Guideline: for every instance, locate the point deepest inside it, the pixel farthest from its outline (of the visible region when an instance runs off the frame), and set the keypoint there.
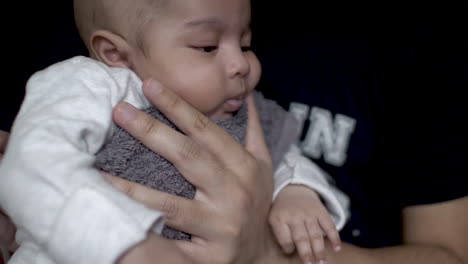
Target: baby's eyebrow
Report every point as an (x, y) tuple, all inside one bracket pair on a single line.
[(210, 23)]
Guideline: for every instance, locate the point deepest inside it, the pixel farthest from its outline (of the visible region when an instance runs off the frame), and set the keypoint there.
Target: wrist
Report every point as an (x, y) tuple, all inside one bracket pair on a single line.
[(292, 191), (271, 252), (153, 248)]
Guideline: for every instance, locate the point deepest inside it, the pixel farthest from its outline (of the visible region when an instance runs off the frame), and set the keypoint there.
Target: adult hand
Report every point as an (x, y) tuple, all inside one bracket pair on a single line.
[(7, 229), (228, 217)]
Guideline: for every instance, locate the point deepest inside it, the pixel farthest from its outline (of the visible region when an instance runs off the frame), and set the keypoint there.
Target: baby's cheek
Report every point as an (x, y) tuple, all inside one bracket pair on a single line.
[(202, 87), (255, 73), (205, 98)]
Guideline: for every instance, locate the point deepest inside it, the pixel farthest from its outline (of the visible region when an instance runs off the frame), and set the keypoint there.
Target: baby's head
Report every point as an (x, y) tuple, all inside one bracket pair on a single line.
[(198, 48)]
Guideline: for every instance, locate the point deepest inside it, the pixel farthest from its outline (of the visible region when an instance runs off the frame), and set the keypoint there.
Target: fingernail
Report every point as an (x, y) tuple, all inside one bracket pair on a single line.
[(337, 248), (322, 262), (125, 112), (153, 86)]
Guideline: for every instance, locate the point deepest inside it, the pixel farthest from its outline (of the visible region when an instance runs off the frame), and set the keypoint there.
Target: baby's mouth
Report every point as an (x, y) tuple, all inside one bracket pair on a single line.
[(233, 105)]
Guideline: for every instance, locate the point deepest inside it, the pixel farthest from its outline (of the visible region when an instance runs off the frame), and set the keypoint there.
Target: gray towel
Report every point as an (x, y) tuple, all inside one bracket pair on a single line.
[(126, 157)]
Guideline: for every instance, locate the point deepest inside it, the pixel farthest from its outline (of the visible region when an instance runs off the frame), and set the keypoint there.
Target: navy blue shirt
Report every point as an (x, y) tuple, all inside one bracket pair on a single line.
[(381, 100)]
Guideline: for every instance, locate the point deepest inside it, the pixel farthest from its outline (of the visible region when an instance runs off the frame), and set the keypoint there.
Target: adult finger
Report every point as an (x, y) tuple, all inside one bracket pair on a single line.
[(187, 215), (193, 123), (182, 151), (178, 211), (255, 141)]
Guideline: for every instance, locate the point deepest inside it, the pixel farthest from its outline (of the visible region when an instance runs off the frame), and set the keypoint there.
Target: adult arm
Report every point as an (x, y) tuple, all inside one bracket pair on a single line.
[(436, 233)]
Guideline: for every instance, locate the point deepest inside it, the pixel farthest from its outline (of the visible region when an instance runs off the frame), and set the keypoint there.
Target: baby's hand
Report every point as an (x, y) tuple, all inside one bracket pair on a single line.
[(300, 220)]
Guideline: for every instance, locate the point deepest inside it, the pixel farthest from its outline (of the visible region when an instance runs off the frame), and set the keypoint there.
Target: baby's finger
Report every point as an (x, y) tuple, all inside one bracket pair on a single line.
[(330, 230), (316, 236), (283, 235), (302, 241)]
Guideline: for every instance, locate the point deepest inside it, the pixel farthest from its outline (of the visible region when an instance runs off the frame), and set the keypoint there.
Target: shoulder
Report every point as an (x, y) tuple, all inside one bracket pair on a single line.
[(81, 72), (79, 67)]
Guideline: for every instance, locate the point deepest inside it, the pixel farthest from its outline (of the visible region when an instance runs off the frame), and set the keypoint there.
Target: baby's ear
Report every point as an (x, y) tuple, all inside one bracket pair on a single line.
[(110, 48)]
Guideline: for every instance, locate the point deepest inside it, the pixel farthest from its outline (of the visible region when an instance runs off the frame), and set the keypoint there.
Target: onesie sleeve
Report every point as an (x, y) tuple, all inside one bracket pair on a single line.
[(298, 169), (49, 185)]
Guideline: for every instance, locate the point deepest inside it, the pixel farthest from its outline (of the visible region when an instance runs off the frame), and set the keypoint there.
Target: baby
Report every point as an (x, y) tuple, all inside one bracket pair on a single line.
[(201, 50)]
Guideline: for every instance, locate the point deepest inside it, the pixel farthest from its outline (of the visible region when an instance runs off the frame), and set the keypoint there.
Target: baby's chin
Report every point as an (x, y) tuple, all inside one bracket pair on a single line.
[(228, 109)]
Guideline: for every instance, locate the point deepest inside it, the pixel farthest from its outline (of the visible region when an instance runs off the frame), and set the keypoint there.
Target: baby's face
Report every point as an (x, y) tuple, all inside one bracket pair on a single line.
[(201, 50)]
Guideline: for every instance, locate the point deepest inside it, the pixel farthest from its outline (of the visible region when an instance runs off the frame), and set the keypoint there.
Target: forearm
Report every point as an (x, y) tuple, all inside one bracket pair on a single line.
[(154, 249), (404, 254)]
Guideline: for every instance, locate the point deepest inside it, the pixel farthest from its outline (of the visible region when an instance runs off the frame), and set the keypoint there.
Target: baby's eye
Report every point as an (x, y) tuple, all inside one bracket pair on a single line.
[(208, 49), (246, 48)]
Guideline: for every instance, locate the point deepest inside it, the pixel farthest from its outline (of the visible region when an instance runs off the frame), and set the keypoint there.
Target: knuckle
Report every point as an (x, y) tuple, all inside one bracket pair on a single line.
[(328, 226), (312, 225), (249, 162), (277, 218), (245, 200), (171, 208), (189, 149), (301, 238), (125, 188), (201, 122), (231, 230), (331, 232), (316, 235), (310, 222), (273, 219), (174, 101), (150, 127)]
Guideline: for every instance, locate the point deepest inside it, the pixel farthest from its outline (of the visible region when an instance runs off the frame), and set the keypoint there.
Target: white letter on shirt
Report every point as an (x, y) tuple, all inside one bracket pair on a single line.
[(325, 137)]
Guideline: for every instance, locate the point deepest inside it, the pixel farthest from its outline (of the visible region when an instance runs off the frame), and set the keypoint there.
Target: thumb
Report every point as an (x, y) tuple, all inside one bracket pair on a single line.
[(255, 141)]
